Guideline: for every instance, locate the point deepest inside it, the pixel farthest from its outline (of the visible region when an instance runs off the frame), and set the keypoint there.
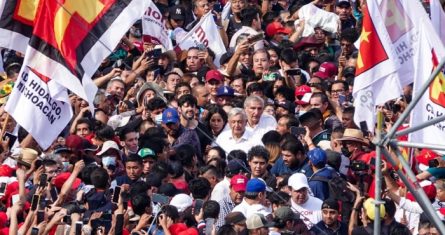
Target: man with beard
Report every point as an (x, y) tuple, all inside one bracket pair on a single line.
[(237, 189), (330, 223), (177, 134), (187, 109), (292, 160)]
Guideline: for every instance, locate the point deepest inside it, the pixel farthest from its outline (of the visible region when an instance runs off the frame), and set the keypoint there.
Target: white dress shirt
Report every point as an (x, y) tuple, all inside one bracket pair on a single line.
[(226, 141)]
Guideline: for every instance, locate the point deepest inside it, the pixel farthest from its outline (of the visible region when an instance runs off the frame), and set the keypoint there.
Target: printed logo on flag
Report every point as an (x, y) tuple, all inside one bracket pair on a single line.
[(370, 46), (437, 87), (396, 20), (74, 28), (18, 16)]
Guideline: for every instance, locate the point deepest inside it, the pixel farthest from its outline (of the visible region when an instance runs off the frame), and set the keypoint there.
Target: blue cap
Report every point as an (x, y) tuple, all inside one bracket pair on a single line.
[(255, 185), (225, 91), (317, 156), (170, 115)]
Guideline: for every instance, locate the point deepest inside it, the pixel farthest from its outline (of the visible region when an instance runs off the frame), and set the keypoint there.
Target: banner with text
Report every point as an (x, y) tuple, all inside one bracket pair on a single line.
[(153, 27)]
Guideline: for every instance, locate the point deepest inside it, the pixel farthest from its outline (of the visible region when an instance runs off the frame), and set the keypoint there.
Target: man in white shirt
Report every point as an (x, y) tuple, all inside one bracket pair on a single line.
[(307, 206), (254, 199), (257, 122), (238, 137), (251, 21)]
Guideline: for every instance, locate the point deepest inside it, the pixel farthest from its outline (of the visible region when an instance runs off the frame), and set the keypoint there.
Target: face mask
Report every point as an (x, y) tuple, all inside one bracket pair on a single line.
[(345, 152), (65, 165), (158, 119), (109, 161)]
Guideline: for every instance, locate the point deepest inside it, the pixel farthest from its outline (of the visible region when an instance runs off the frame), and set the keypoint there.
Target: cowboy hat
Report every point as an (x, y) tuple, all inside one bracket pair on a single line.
[(26, 156), (353, 135)]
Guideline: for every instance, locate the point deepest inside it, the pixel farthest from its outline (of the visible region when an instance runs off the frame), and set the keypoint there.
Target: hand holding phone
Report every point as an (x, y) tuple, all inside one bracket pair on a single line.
[(116, 194)]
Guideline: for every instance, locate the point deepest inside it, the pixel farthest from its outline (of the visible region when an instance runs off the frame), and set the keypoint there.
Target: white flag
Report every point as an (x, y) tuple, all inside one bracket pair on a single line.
[(153, 27), (438, 18), (205, 32), (376, 78), (43, 114), (432, 103), (16, 24), (225, 14)]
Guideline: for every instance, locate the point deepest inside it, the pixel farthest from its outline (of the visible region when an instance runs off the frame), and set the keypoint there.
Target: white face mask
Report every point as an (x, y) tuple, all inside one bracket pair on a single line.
[(109, 161), (158, 119)]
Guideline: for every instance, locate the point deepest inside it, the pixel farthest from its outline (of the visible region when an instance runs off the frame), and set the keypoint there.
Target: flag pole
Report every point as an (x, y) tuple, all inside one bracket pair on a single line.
[(418, 145), (378, 175), (420, 126), (5, 122), (413, 103)]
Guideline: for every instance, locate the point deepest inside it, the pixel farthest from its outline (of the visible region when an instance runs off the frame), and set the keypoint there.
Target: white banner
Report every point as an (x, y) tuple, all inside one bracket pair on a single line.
[(205, 32), (315, 17), (153, 27), (33, 105), (377, 80), (438, 18)]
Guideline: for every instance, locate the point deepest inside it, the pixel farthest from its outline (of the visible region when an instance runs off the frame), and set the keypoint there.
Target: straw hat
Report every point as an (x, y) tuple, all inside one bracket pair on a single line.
[(353, 135), (27, 156)]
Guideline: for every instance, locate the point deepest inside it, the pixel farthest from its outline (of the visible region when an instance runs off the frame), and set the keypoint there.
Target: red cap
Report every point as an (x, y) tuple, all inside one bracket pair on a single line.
[(214, 74), (424, 157), (326, 70), (239, 183), (182, 185), (300, 91), (139, 45), (276, 27), (62, 177)]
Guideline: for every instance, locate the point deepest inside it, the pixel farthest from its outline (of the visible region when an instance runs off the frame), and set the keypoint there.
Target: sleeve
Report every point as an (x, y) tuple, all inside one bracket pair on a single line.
[(410, 206)]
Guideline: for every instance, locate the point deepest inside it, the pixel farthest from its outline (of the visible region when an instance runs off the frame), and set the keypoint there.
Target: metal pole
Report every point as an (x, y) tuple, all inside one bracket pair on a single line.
[(413, 186), (421, 126), (418, 145), (413, 103), (378, 175)]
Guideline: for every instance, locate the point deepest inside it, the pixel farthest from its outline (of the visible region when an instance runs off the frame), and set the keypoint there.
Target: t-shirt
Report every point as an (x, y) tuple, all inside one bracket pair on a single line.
[(437, 172), (249, 210), (310, 211)]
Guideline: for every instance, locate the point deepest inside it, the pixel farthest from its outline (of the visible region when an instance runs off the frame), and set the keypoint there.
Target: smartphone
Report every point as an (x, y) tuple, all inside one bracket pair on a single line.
[(159, 198), (296, 131), (157, 53), (38, 163), (34, 231), (116, 193), (255, 38), (217, 7), (43, 180), (271, 76), (14, 199), (341, 99), (54, 193), (12, 139), (156, 73), (293, 72), (78, 228), (67, 219), (35, 202), (364, 128), (433, 163), (2, 189), (209, 225), (40, 216), (201, 47), (198, 205)]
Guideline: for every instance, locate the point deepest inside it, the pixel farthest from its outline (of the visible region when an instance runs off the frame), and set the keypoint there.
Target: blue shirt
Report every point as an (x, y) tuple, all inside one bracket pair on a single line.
[(279, 168), (320, 189)]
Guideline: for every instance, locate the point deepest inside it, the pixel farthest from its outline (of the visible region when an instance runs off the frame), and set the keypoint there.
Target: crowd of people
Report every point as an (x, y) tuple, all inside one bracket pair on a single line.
[(262, 143)]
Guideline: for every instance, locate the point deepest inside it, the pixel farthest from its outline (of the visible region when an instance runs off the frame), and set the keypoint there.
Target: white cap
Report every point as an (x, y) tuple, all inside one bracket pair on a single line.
[(298, 181), (181, 202), (118, 121), (109, 144)]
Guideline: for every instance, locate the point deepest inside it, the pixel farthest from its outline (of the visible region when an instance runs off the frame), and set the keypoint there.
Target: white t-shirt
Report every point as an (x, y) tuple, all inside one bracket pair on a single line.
[(310, 211), (221, 190), (249, 210)]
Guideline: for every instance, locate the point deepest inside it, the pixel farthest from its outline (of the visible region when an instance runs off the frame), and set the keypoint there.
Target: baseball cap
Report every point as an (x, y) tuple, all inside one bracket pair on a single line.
[(170, 115), (109, 144), (298, 181), (235, 166), (239, 183), (343, 3), (177, 13), (257, 221), (330, 204), (326, 70), (285, 213), (214, 74), (61, 149), (370, 209), (146, 152), (301, 93), (225, 91), (255, 185), (77, 143), (276, 27), (317, 156), (181, 202)]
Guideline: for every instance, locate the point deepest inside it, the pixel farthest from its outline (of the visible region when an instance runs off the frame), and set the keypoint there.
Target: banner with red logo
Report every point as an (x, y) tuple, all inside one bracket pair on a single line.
[(153, 27), (206, 33), (376, 70)]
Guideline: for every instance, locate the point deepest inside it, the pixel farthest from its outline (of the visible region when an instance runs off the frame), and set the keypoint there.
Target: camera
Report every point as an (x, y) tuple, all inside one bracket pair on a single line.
[(359, 166), (74, 207)]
